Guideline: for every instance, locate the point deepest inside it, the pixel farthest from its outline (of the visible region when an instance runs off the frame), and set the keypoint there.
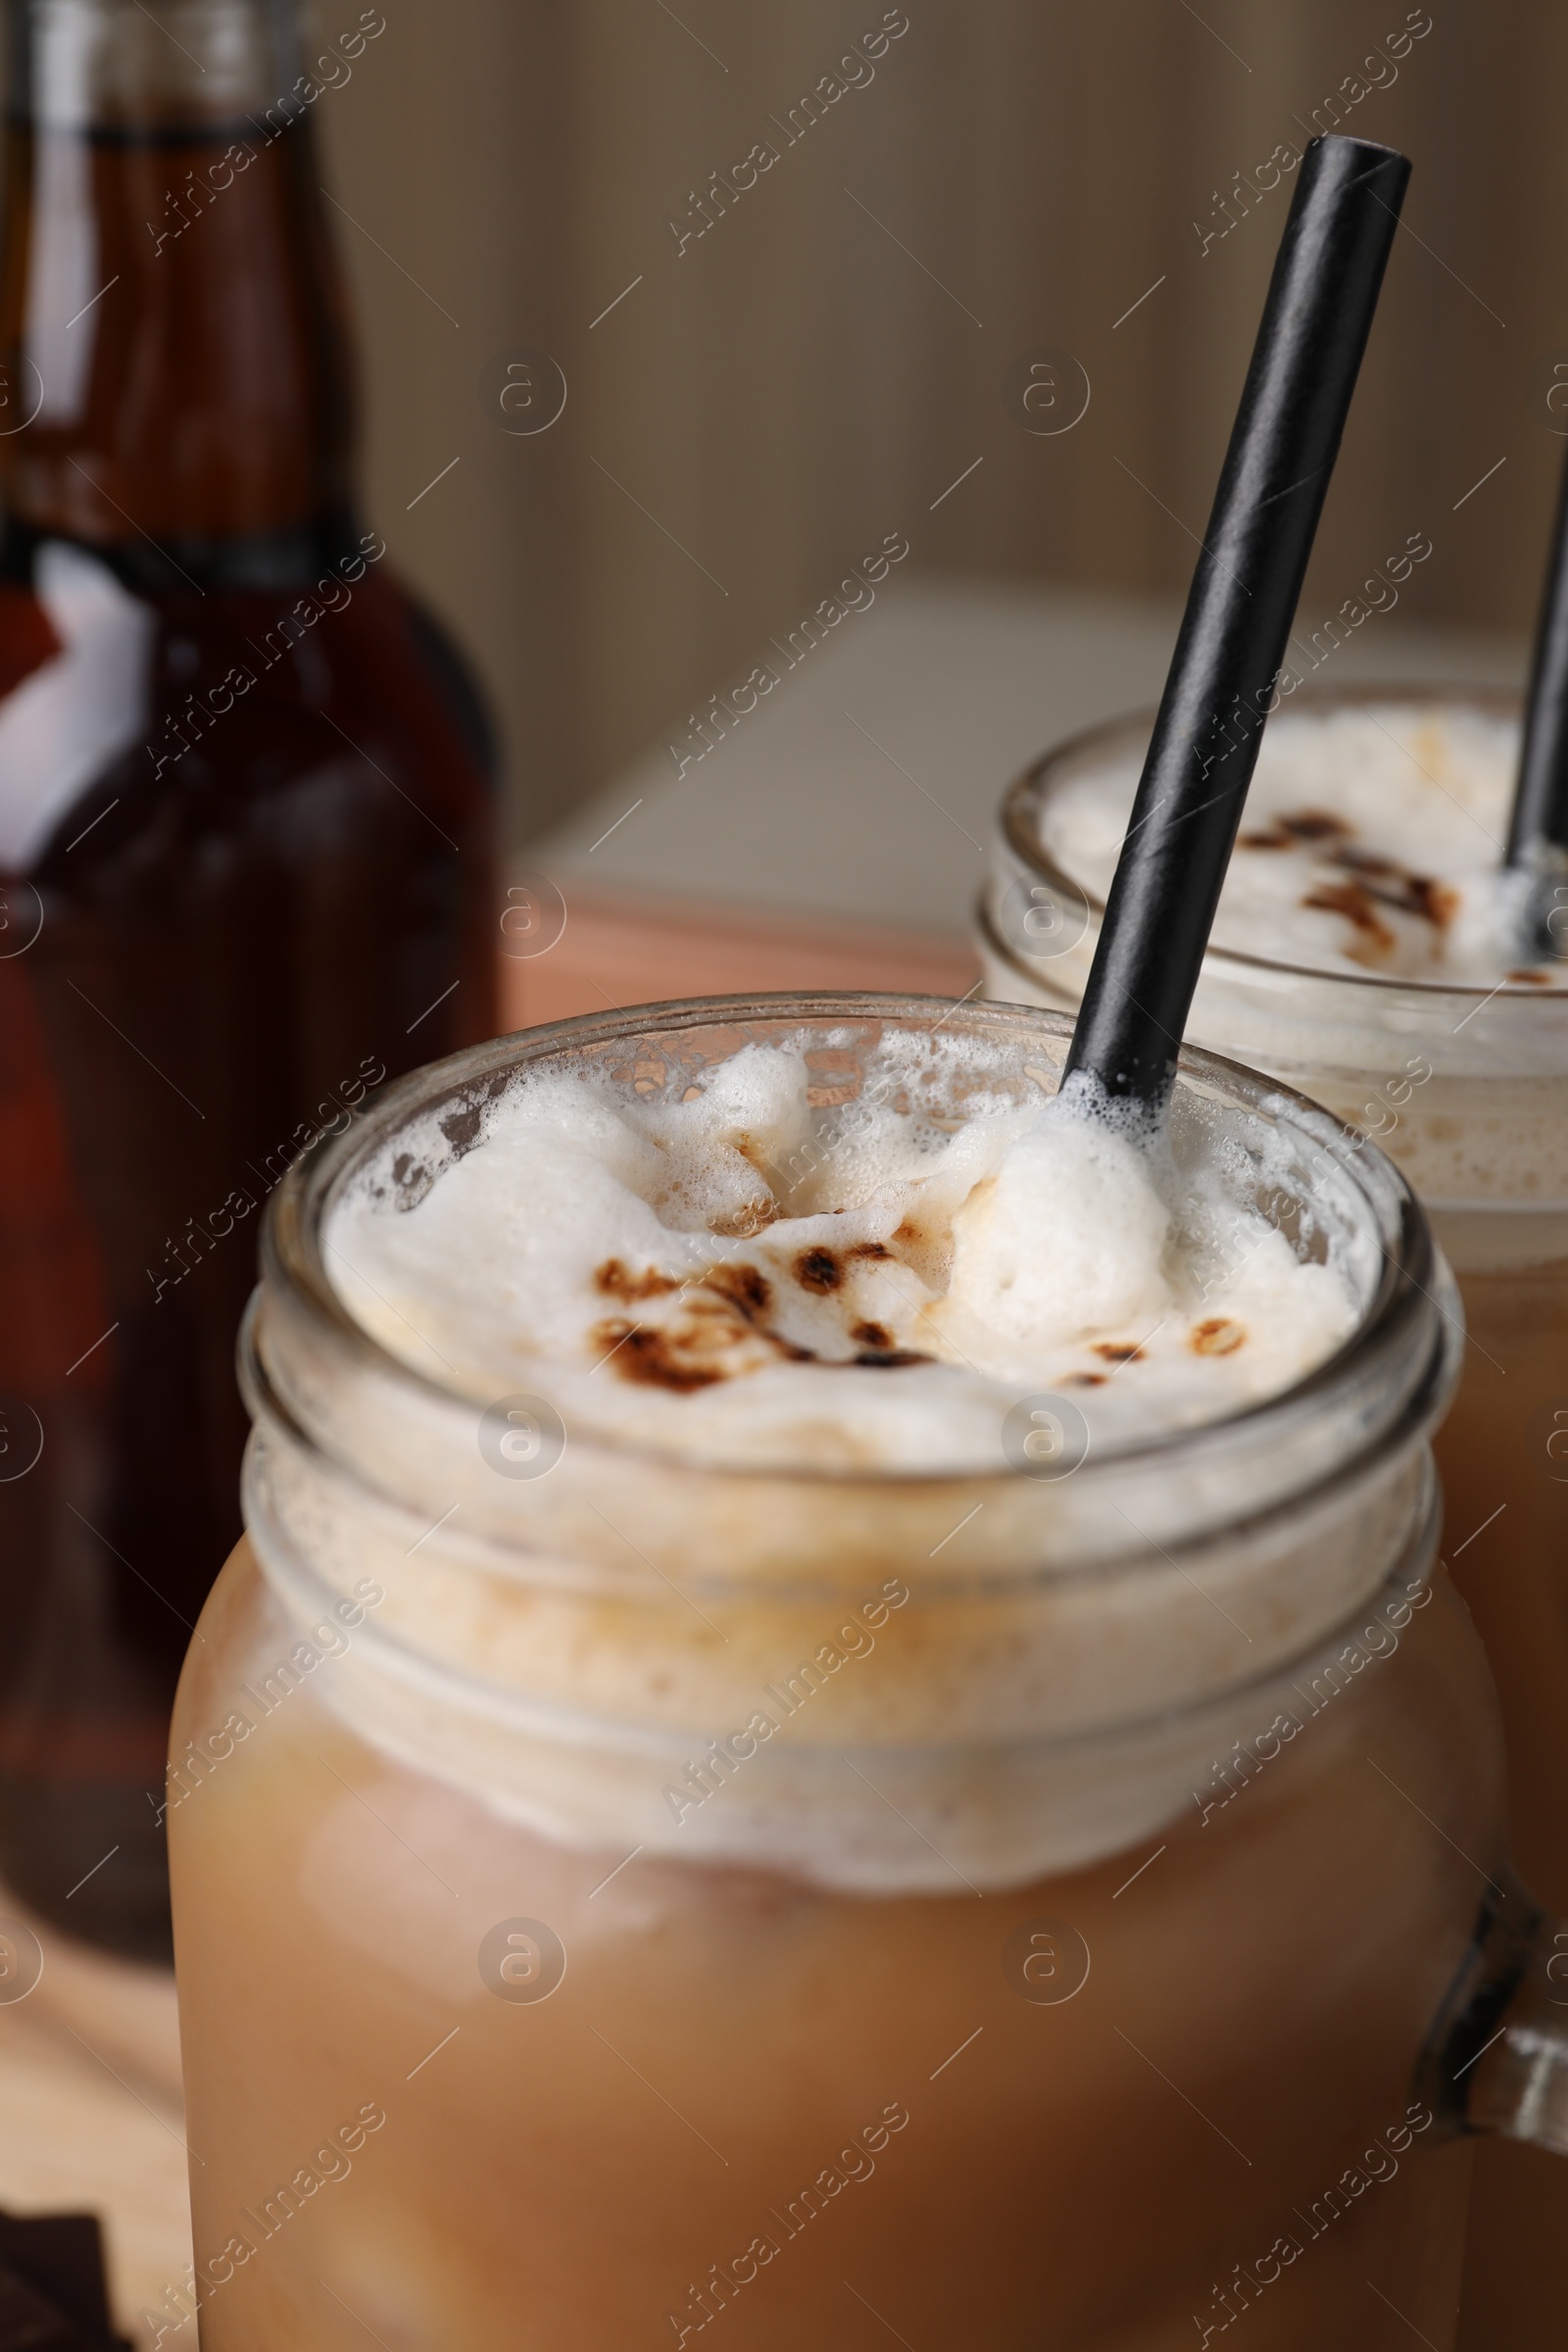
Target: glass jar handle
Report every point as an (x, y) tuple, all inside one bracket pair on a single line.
[(1498, 2060)]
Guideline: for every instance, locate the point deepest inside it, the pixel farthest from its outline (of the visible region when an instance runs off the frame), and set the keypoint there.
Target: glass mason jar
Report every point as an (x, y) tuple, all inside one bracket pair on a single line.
[(1466, 1088), (615, 1891)]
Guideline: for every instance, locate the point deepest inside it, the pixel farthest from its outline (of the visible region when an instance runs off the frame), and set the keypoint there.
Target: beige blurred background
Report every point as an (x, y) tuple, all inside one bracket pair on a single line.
[(815, 371)]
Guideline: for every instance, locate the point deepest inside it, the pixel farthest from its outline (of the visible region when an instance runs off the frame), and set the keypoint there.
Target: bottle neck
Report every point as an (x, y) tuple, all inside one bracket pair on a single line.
[(175, 385)]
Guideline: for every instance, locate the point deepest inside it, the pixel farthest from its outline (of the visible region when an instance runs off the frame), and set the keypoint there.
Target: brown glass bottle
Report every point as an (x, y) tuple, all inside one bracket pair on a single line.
[(244, 856)]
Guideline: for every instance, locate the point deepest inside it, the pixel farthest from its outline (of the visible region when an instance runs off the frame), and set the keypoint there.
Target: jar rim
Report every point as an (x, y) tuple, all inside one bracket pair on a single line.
[(1407, 1572), (1388, 1330)]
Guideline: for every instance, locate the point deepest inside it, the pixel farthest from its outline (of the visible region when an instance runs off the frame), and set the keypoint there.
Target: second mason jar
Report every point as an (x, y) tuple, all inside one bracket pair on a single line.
[(1465, 1083)]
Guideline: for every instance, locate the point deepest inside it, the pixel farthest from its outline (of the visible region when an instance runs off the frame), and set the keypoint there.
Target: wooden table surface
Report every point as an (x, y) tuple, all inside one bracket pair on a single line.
[(90, 2117)]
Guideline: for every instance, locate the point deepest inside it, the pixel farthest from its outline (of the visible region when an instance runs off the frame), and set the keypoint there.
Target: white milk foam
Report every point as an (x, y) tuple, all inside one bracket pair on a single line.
[(1372, 842), (747, 1276), (675, 1642)]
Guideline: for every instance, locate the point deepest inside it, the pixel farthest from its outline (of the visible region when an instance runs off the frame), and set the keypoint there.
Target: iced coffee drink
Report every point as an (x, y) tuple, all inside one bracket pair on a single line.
[(1370, 949), (838, 1716)]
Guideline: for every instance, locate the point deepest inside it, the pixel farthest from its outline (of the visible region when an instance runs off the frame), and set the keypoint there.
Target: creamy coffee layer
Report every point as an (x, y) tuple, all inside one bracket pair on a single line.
[(751, 1274), (1372, 842)]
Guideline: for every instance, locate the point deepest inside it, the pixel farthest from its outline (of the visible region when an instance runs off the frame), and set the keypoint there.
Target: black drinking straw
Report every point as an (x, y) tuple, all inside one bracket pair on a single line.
[(1224, 675), (1538, 835)]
